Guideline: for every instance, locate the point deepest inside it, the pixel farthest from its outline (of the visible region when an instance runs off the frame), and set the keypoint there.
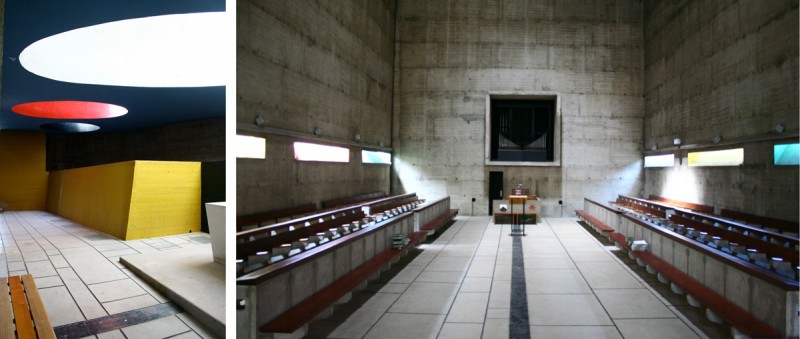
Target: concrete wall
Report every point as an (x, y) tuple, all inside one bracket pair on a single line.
[(303, 65), (727, 68), (201, 140), (452, 54)]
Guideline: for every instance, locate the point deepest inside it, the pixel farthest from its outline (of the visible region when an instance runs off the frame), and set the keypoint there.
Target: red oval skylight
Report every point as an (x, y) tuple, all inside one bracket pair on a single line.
[(69, 110)]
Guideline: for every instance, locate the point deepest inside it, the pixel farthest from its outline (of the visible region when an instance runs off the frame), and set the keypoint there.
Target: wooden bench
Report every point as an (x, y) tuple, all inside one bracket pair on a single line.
[(302, 313), (272, 217), (766, 222), (732, 314), (683, 204), (381, 205), (641, 206), (19, 293), (435, 224), (771, 249), (267, 238), (596, 223), (354, 200)]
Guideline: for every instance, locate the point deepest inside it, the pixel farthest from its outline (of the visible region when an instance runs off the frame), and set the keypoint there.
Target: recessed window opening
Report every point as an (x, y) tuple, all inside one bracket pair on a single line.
[(304, 151), (522, 130), (786, 154), (376, 157), (728, 157), (250, 147), (664, 160)]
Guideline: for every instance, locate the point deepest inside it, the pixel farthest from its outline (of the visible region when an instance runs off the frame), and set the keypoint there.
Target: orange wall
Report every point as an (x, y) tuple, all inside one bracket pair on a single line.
[(23, 179)]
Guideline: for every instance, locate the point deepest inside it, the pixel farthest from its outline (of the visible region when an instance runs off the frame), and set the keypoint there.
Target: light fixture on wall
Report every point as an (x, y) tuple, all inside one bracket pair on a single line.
[(717, 139), (676, 141), (317, 131), (259, 121), (654, 147), (778, 129), (357, 137), (380, 143)]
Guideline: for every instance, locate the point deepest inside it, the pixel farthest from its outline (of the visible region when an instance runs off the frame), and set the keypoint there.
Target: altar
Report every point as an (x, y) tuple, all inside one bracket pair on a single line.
[(517, 209)]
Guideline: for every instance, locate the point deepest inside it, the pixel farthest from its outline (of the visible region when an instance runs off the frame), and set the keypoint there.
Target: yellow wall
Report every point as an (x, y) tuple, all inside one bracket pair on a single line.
[(165, 199), (130, 200), (98, 196), (23, 178)]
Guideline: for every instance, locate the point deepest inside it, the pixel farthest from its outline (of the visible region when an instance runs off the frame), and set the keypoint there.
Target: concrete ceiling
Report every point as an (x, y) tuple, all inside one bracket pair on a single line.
[(27, 21)]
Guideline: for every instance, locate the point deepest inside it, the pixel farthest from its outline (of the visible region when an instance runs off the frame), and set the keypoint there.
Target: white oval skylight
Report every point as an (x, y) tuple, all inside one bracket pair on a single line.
[(178, 50)]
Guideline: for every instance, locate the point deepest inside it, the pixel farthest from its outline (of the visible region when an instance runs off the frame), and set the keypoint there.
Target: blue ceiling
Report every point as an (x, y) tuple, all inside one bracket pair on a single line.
[(27, 21)]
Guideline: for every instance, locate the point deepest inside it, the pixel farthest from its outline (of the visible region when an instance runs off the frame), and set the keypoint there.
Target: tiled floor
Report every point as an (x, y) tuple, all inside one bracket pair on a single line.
[(459, 286), (79, 276)]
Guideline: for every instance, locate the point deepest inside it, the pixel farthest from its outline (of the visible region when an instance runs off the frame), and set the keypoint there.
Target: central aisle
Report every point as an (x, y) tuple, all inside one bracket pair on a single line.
[(459, 286)]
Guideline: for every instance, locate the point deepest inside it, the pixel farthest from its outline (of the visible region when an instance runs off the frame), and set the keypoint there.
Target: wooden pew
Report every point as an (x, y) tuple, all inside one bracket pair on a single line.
[(688, 205), (640, 206), (772, 250), (252, 241), (729, 312), (766, 222), (285, 296), (778, 237), (304, 312), (19, 293), (596, 223), (432, 215), (382, 205), (272, 217), (354, 200)]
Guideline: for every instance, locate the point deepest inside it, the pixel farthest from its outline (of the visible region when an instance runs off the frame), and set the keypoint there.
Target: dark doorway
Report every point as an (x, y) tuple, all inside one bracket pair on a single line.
[(495, 189)]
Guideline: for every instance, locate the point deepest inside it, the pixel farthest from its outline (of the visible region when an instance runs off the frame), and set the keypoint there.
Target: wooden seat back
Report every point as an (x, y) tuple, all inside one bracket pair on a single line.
[(683, 204), (270, 217), (766, 222), (354, 200)]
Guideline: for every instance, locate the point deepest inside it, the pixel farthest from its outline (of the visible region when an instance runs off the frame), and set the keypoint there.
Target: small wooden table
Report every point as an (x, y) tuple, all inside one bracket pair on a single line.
[(518, 218)]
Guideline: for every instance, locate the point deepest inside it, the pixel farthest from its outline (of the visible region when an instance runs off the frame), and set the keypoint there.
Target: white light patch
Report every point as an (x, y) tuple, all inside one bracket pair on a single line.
[(178, 50), (666, 160), (250, 147), (304, 151)]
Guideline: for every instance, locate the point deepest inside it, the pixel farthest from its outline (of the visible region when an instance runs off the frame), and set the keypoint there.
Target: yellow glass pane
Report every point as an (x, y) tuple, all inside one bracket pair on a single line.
[(729, 157)]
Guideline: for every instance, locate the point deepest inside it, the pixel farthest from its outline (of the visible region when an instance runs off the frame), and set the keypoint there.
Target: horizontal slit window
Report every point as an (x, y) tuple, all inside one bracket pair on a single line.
[(786, 154), (376, 157), (728, 157), (665, 160), (304, 151), (250, 147)]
